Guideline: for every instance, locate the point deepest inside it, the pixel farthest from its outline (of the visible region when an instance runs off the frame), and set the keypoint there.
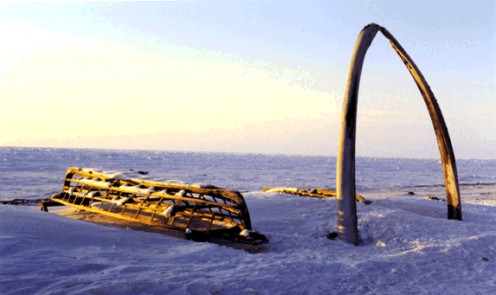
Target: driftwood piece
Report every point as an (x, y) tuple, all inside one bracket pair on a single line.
[(310, 192), (345, 166)]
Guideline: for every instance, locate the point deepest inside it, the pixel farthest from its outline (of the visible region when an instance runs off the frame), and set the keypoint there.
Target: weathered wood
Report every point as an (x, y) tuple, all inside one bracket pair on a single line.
[(312, 192), (169, 205), (345, 166)]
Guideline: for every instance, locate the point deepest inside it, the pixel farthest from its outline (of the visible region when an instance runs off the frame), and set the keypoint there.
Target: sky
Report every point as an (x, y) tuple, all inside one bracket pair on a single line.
[(244, 76)]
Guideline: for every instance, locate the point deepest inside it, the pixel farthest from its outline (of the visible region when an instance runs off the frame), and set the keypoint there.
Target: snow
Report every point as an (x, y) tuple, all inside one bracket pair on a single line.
[(408, 247), (168, 212)]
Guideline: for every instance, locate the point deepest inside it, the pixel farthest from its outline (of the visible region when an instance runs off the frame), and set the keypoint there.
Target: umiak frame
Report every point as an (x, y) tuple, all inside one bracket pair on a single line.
[(345, 167)]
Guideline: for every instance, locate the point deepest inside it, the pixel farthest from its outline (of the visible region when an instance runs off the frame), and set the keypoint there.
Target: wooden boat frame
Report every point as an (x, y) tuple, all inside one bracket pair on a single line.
[(201, 212)]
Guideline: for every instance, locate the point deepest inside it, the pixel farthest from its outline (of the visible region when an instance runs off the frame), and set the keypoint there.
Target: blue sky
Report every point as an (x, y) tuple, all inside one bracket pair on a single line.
[(244, 76)]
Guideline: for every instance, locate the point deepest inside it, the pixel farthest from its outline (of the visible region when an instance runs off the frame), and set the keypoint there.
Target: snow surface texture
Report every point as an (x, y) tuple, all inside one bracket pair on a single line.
[(409, 247)]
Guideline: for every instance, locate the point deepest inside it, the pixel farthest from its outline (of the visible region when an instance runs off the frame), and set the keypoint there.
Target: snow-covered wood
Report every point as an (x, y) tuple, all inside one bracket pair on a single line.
[(214, 213)]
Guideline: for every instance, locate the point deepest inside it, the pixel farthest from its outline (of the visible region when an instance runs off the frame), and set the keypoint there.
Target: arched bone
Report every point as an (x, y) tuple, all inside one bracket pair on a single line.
[(345, 166)]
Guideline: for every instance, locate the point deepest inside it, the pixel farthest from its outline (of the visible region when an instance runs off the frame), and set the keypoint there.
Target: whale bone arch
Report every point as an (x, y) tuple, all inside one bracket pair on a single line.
[(347, 223)]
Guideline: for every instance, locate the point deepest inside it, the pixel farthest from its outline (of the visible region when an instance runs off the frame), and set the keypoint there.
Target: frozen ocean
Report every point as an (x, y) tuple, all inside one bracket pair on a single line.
[(408, 245)]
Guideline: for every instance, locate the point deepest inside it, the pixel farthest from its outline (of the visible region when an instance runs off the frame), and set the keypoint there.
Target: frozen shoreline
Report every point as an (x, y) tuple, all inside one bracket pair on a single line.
[(408, 247)]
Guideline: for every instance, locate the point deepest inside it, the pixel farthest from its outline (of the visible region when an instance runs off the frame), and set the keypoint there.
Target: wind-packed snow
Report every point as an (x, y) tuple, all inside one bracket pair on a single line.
[(409, 247)]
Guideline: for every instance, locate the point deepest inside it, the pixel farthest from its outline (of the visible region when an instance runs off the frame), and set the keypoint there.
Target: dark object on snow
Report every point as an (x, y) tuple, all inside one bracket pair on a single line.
[(433, 198), (24, 202)]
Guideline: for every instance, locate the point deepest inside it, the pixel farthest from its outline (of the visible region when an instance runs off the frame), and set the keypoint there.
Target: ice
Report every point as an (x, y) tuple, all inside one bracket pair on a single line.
[(408, 245)]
